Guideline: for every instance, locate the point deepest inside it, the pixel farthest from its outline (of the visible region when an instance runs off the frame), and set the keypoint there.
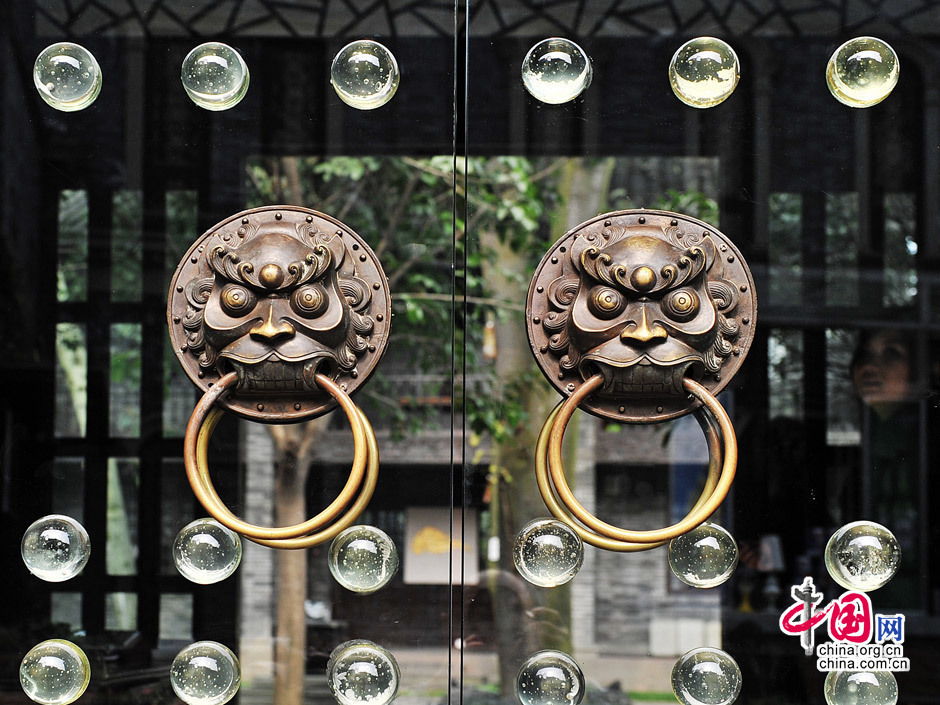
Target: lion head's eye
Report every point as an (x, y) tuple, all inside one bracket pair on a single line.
[(681, 305), (605, 302), (236, 300), (309, 301)]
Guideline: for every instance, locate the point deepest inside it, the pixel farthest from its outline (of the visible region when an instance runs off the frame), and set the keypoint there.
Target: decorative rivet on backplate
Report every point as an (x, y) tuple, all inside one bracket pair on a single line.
[(184, 348), (376, 286), (536, 319), (362, 258), (277, 216), (561, 375), (309, 218), (543, 349), (201, 374), (379, 317), (297, 406), (540, 289), (745, 321), (641, 220), (244, 221), (736, 351), (354, 374), (743, 288), (371, 348), (659, 409), (731, 258), (717, 377), (673, 223), (622, 409), (554, 260), (176, 319), (606, 223), (260, 407), (179, 289), (340, 233), (194, 260)]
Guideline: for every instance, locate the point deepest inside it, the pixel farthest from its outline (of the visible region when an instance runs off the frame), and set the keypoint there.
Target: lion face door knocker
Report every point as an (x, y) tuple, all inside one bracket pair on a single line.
[(278, 314), (639, 316)]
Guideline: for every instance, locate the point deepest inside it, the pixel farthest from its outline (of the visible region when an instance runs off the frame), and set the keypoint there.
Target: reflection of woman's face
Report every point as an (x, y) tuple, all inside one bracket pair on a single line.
[(882, 372)]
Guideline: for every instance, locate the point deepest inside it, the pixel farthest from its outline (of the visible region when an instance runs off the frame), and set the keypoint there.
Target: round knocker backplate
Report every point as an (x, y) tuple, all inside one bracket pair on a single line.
[(279, 294), (645, 298)]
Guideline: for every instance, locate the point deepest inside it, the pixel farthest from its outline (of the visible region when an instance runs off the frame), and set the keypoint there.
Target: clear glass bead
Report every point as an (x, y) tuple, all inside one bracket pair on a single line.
[(215, 76), (706, 676), (861, 688), (862, 556), (55, 672), (704, 72), (365, 74), (862, 72), (547, 552), (205, 673), (361, 672), (67, 76), (206, 552), (55, 548), (704, 557), (363, 559), (550, 678), (556, 70)]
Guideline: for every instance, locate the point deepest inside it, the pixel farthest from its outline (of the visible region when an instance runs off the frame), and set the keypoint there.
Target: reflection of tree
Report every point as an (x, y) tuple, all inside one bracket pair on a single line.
[(842, 248), (443, 229), (900, 249), (124, 372), (71, 359), (73, 245), (583, 188), (785, 373), (409, 211)]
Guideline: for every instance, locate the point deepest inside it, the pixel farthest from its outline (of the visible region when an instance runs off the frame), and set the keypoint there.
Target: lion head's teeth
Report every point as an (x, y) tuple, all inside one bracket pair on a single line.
[(648, 380), (272, 376)]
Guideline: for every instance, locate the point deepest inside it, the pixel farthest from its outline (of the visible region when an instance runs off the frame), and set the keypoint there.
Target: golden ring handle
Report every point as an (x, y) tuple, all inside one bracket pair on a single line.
[(362, 477), (562, 503), (555, 507)]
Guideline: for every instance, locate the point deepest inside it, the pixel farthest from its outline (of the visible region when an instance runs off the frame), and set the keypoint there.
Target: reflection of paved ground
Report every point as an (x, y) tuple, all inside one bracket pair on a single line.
[(424, 676), (427, 670)]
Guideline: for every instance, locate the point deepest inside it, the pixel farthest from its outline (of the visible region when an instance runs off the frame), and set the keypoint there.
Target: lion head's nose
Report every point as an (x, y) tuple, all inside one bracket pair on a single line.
[(271, 331)]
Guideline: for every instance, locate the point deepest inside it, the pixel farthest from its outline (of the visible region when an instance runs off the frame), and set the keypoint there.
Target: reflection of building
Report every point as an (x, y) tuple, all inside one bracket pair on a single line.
[(413, 474), (625, 604), (639, 482)]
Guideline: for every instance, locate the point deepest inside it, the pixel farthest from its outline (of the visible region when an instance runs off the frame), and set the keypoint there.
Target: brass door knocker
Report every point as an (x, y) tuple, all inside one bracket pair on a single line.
[(639, 316), (278, 314)]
